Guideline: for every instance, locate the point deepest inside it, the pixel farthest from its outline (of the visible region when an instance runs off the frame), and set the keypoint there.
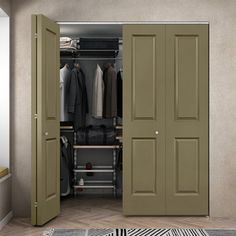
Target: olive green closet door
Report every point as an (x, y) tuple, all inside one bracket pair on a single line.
[(143, 120), (46, 130), (187, 119)]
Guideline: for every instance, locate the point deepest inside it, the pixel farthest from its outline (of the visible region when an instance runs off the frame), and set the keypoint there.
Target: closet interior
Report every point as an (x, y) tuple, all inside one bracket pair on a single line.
[(91, 75)]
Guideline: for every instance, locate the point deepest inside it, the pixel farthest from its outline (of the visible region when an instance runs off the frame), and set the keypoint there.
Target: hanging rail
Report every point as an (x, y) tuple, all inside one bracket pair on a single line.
[(87, 50), (78, 39), (91, 58), (69, 127)]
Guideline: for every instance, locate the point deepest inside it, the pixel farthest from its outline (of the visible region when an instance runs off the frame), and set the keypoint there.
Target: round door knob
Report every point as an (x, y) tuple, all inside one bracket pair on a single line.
[(46, 133), (156, 132)]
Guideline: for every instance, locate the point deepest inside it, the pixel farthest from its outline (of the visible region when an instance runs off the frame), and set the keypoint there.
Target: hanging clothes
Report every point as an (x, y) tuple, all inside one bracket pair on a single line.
[(65, 76), (119, 94), (65, 166), (78, 101), (110, 92), (98, 92)]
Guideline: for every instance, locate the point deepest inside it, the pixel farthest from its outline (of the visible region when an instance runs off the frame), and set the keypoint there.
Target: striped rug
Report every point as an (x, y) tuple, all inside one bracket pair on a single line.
[(127, 232)]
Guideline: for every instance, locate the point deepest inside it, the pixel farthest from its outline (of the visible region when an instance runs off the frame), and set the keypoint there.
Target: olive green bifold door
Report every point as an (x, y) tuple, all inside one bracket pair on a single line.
[(165, 120), (45, 120), (144, 124), (187, 119)]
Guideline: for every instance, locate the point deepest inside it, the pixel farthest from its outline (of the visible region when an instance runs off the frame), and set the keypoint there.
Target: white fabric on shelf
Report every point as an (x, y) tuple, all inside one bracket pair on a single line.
[(67, 43)]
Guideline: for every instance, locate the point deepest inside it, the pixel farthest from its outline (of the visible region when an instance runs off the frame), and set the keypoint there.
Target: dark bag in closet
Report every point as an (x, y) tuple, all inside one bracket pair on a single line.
[(81, 136), (96, 135), (111, 44), (110, 135)]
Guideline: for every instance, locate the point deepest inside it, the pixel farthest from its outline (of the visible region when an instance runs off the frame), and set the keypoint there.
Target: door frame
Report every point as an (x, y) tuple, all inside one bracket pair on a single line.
[(34, 96)]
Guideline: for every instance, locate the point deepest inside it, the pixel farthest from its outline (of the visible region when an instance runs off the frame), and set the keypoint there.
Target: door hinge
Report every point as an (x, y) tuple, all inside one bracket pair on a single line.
[(35, 204), (35, 116), (35, 35)]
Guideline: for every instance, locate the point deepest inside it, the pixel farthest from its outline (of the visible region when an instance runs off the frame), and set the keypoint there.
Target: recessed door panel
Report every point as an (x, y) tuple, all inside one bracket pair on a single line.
[(51, 74), (144, 77), (144, 161), (51, 172), (186, 77), (187, 165)]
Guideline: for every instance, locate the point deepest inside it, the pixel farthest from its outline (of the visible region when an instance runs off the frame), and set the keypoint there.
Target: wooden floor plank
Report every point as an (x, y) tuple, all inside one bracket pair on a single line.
[(106, 212)]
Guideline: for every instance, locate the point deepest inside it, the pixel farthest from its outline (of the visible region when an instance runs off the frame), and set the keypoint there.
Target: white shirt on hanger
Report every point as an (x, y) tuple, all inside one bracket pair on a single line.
[(64, 81), (98, 93)]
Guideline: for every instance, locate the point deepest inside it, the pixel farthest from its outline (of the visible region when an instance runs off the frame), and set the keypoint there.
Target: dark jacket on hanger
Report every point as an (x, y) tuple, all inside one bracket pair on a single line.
[(78, 101), (119, 94), (110, 93)]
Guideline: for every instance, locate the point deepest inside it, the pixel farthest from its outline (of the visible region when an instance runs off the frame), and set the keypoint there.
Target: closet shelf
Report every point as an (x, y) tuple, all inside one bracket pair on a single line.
[(94, 170), (66, 127), (86, 182), (119, 138), (95, 167), (94, 186), (96, 146)]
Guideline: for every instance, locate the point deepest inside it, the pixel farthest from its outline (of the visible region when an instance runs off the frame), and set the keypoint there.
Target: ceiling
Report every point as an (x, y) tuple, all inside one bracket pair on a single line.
[(76, 30)]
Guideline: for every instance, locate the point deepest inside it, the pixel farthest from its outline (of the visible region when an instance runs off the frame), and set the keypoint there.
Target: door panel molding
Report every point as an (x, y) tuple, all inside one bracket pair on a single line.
[(187, 165), (144, 107), (51, 61), (186, 76), (51, 173), (141, 149)]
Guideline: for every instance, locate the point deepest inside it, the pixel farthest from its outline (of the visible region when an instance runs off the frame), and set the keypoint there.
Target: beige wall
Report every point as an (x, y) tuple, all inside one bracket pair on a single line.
[(222, 18)]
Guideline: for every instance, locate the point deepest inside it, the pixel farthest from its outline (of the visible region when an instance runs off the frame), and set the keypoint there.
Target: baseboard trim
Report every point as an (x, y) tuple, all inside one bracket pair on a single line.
[(6, 219)]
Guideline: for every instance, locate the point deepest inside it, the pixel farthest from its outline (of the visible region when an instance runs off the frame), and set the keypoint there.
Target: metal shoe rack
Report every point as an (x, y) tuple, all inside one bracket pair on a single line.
[(96, 184)]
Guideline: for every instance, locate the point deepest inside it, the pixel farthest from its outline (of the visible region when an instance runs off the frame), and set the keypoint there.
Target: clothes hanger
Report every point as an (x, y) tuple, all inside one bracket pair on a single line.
[(67, 66), (106, 65), (77, 66)]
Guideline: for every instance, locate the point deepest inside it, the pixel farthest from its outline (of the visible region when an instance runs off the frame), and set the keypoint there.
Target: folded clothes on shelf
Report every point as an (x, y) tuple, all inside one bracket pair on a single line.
[(68, 43)]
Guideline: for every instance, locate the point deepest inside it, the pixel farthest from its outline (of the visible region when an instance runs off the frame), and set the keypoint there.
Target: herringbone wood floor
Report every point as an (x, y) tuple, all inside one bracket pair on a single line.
[(105, 212)]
